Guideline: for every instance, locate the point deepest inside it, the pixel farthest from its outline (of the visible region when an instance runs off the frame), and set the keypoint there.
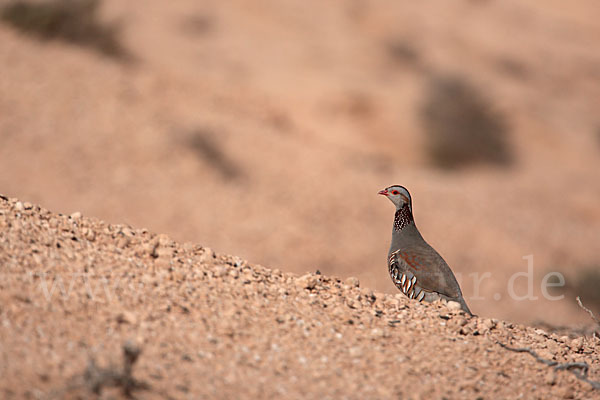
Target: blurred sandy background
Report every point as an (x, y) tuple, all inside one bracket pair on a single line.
[(265, 129)]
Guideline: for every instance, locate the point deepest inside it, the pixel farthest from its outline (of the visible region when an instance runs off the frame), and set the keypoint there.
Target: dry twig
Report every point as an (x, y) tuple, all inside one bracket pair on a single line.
[(579, 369), (596, 333), (97, 378), (587, 310)]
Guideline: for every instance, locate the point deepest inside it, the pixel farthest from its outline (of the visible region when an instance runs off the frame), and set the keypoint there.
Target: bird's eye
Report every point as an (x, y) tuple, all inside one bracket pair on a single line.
[(395, 192)]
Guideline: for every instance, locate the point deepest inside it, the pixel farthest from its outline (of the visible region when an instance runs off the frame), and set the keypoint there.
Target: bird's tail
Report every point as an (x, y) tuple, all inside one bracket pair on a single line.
[(465, 307)]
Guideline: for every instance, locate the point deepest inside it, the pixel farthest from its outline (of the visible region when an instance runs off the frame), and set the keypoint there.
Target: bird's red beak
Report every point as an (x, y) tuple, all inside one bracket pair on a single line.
[(383, 192)]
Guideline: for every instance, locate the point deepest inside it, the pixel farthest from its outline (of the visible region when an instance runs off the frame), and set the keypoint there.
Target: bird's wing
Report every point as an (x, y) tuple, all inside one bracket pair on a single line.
[(427, 266)]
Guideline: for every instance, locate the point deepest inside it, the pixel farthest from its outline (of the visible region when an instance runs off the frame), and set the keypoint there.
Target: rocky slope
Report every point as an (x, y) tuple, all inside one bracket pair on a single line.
[(76, 291), (258, 126)]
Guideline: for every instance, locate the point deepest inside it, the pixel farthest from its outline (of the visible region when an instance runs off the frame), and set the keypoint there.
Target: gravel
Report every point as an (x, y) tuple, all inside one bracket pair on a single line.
[(76, 293)]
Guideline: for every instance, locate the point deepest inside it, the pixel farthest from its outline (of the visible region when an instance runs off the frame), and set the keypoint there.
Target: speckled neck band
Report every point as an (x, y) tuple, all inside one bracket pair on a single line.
[(402, 218)]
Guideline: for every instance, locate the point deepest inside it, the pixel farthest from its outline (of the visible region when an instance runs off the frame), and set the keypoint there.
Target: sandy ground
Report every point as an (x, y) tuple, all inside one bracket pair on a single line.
[(265, 129), (76, 290)]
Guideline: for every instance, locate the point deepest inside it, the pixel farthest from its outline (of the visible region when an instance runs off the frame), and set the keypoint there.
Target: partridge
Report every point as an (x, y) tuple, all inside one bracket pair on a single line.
[(415, 267)]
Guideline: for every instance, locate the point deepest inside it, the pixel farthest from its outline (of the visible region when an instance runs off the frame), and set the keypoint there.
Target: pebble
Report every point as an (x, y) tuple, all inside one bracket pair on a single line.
[(352, 303), (307, 281), (221, 270), (550, 378), (148, 248), (353, 282), (89, 234), (123, 242), (126, 317), (230, 314), (355, 351), (488, 324), (577, 344), (163, 252), (567, 392), (541, 332), (453, 305), (163, 240), (234, 273), (377, 333), (207, 255)]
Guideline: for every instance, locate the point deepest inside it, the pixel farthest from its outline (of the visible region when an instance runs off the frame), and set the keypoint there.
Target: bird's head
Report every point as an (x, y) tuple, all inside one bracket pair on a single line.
[(398, 195)]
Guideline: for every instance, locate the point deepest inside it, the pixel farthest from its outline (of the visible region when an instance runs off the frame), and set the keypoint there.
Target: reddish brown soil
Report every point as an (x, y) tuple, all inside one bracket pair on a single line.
[(265, 129), (309, 115), (215, 326)]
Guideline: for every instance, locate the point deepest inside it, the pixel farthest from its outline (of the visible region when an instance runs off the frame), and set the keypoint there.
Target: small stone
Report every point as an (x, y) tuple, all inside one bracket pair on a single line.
[(89, 234), (163, 240), (126, 317), (453, 305), (567, 392), (577, 344), (377, 333), (149, 247), (162, 252), (488, 324), (19, 206), (459, 322), (353, 282), (162, 262), (307, 281), (355, 351), (123, 242), (550, 378), (393, 302), (352, 303), (466, 330), (207, 255), (75, 215), (237, 262)]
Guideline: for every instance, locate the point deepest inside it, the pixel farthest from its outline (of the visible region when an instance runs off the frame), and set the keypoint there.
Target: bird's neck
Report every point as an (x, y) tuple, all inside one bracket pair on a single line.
[(404, 230), (403, 218)]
